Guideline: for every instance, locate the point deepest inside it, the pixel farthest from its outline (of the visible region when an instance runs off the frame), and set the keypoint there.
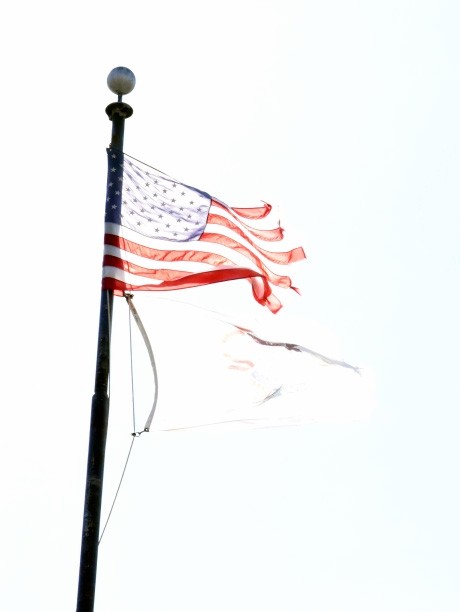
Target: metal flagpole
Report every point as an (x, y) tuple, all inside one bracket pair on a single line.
[(120, 81)]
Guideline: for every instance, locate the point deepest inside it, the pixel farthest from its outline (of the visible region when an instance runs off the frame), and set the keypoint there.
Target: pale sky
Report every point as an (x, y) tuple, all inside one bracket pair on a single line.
[(346, 116)]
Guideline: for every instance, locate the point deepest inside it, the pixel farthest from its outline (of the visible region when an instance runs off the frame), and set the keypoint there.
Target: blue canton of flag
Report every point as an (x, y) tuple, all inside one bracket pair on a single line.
[(153, 204)]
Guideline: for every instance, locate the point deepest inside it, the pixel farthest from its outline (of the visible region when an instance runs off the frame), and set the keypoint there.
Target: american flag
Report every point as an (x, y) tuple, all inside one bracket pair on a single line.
[(161, 234)]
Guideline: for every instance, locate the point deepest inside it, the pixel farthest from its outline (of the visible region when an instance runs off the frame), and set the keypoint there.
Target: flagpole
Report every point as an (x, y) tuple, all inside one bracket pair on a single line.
[(120, 81)]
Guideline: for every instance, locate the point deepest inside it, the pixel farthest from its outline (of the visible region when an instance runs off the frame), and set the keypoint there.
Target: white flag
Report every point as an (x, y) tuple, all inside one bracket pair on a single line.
[(214, 373)]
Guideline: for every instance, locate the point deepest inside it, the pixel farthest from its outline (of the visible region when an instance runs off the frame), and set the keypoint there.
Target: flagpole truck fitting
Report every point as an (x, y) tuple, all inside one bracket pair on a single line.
[(120, 81)]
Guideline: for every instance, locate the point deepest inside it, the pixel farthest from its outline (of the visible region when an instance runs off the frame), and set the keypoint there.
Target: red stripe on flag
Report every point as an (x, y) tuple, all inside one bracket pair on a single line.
[(260, 287), (247, 213), (270, 235)]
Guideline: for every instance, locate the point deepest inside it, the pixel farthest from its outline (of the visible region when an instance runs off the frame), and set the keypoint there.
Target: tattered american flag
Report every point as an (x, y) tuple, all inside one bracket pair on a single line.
[(161, 234)]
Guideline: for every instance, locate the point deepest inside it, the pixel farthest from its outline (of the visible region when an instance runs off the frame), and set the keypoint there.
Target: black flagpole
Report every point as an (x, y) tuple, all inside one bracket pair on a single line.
[(120, 81)]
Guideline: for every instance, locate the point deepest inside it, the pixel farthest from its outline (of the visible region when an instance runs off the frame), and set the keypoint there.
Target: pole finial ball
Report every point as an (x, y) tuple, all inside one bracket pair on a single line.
[(121, 81)]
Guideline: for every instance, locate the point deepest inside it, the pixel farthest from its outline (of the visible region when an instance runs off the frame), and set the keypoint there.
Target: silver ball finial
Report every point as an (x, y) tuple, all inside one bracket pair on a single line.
[(121, 81)]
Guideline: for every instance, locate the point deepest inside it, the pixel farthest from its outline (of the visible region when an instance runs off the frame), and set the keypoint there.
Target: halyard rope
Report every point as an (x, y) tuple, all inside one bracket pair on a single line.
[(135, 434)]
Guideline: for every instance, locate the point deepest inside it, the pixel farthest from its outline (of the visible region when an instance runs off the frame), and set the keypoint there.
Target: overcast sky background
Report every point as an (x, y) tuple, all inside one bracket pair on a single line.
[(346, 115)]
